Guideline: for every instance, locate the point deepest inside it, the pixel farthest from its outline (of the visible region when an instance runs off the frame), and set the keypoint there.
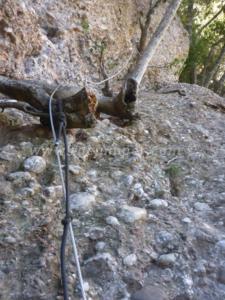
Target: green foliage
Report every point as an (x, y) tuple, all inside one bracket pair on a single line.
[(98, 48), (85, 25), (177, 63), (205, 44), (173, 171)]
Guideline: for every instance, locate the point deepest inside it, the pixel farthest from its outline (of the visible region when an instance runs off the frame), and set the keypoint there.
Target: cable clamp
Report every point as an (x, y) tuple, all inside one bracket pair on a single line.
[(56, 143), (67, 220)]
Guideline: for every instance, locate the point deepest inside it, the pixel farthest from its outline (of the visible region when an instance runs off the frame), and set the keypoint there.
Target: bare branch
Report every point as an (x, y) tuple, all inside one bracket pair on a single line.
[(23, 106), (145, 25), (25, 91)]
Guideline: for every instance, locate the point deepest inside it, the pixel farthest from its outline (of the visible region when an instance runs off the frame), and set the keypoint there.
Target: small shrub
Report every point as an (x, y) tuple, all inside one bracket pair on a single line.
[(173, 170), (85, 25)]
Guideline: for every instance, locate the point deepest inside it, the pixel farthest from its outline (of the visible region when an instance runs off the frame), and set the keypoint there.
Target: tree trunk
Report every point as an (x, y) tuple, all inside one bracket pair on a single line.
[(221, 84), (203, 74), (190, 14), (142, 64), (215, 67)]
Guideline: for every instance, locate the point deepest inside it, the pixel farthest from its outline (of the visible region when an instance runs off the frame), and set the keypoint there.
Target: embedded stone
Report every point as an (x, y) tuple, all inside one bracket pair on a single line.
[(200, 206), (19, 176), (82, 201), (131, 214), (130, 260), (149, 293), (35, 164), (158, 203), (75, 170), (111, 220), (167, 260), (221, 274)]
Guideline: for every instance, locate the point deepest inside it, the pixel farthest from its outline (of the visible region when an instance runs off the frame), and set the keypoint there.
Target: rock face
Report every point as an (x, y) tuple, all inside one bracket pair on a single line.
[(148, 199), (62, 40)]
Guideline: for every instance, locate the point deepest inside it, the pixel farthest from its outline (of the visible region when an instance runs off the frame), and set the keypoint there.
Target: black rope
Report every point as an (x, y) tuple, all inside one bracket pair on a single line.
[(61, 128)]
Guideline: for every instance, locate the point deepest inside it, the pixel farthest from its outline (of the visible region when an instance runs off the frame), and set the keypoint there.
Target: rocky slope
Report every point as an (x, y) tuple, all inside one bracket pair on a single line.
[(148, 204)]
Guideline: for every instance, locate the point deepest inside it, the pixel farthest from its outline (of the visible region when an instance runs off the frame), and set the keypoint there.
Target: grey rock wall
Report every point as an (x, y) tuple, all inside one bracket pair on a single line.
[(62, 40)]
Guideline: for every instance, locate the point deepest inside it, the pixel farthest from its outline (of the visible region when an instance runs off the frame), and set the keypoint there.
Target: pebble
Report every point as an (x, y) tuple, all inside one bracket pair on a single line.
[(166, 239), (92, 189), (182, 297), (10, 240), (75, 170), (100, 246), (101, 267), (9, 148), (35, 164), (27, 148), (25, 203), (111, 220), (86, 286), (149, 293), (200, 206), (19, 176), (158, 203), (130, 260), (152, 218), (154, 256), (186, 220), (27, 192), (200, 268), (167, 275), (167, 260), (138, 190), (220, 246), (82, 201), (53, 191), (9, 156), (94, 139), (127, 180), (96, 233), (221, 274), (92, 174), (131, 214), (9, 153)]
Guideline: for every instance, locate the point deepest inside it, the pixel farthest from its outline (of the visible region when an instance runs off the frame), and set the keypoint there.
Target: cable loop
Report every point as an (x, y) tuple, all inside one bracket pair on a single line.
[(67, 221)]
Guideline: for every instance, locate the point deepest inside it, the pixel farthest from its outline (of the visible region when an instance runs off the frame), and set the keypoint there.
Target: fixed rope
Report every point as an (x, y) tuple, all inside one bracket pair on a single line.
[(114, 75), (67, 221)]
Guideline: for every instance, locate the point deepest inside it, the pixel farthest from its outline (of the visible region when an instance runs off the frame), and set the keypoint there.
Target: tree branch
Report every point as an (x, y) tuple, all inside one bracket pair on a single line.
[(25, 91), (23, 106), (145, 25), (211, 20)]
